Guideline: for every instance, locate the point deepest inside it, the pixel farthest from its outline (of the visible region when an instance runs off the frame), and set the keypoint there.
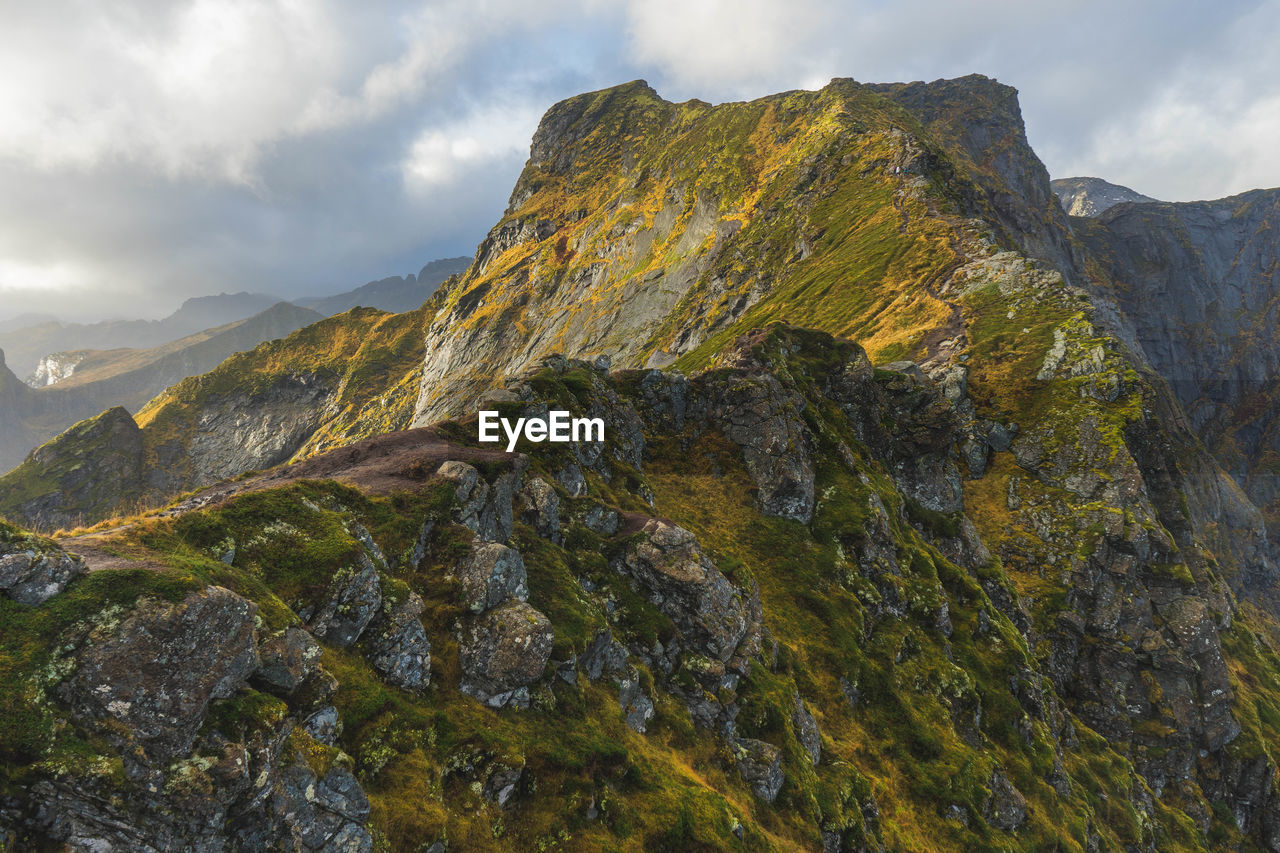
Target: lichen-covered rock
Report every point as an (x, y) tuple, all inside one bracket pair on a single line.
[(155, 672), (398, 647), (30, 574), (492, 574), (469, 489), (604, 656), (353, 599), (323, 813), (539, 507), (807, 730), (324, 726), (923, 428), (1206, 709), (485, 508), (760, 765), (288, 659), (501, 784), (601, 520), (1006, 808), (502, 652), (637, 707), (686, 585), (571, 478), (762, 416)]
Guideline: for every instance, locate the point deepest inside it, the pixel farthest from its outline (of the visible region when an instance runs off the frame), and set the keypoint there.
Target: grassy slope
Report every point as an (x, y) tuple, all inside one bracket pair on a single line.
[(673, 788)]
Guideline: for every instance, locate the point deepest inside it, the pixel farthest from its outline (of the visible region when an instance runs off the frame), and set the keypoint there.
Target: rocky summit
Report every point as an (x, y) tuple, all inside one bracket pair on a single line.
[(927, 517)]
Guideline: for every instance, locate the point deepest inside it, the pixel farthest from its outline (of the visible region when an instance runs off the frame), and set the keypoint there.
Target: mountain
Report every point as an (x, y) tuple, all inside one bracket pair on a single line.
[(16, 437), (395, 294), (902, 535), (340, 379), (1213, 270), (21, 321), (1093, 196), (97, 380), (644, 230), (25, 347)]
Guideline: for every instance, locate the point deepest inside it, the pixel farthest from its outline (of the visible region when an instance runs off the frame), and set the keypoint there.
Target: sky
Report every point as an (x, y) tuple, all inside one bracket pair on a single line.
[(152, 150)]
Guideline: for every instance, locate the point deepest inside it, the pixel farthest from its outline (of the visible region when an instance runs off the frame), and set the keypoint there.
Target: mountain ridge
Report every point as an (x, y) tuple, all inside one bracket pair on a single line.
[(899, 535), (394, 294)]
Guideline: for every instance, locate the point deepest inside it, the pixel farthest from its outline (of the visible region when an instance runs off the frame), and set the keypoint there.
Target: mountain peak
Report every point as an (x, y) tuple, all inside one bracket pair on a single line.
[(1086, 196)]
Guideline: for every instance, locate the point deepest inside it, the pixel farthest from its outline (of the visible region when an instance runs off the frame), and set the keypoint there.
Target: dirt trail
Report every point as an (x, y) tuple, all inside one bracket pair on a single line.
[(396, 461)]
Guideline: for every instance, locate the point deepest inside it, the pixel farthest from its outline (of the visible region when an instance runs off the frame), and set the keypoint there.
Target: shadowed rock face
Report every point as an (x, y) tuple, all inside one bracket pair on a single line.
[(1199, 285)]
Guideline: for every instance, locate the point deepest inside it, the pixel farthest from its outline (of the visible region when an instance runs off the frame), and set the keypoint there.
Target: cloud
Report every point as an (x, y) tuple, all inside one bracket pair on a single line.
[(1205, 128), (443, 154), (726, 44), (156, 149)]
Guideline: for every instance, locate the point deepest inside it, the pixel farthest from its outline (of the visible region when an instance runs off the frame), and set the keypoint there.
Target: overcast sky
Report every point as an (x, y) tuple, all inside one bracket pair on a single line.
[(156, 149)]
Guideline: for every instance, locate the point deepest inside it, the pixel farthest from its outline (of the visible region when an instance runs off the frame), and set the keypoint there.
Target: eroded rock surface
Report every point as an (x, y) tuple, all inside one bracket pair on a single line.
[(503, 651), (155, 672)]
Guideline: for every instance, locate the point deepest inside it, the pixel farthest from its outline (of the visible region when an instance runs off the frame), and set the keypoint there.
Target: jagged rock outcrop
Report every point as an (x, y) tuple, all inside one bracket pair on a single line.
[(353, 600), (492, 574), (155, 673), (709, 611), (33, 570), (503, 651), (287, 659), (760, 764), (398, 645)]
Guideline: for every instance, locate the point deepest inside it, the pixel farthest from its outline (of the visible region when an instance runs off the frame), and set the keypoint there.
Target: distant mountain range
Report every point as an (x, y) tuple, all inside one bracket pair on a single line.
[(28, 339), (25, 347), (100, 379), (395, 294), (53, 374)]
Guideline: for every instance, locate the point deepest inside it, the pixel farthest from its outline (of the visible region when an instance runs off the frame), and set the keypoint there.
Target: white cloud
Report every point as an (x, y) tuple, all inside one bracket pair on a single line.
[(17, 275), (204, 88), (182, 146), (1206, 130), (191, 89), (728, 45), (442, 155)]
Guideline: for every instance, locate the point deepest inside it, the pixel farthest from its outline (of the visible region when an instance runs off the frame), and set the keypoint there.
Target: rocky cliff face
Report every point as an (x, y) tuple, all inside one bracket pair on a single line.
[(1093, 196), (1211, 269), (55, 367), (973, 582)]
